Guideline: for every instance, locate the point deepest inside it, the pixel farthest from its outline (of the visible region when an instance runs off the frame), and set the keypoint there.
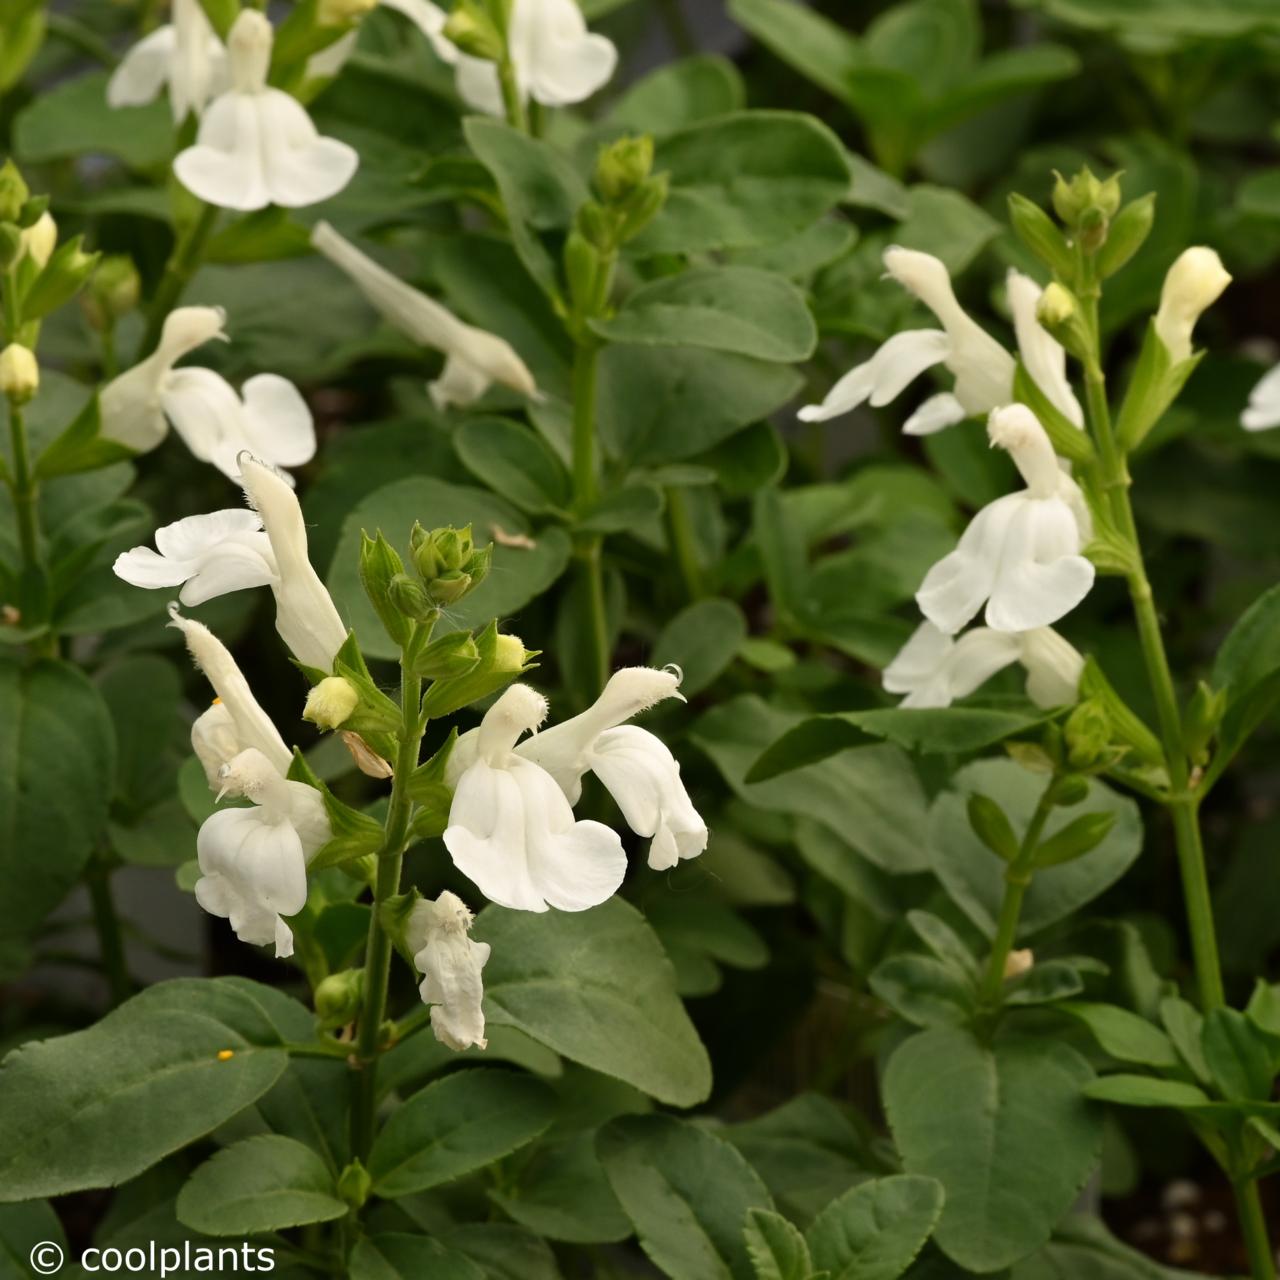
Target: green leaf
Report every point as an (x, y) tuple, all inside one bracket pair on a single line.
[(1145, 1091), (870, 795), (923, 990), (678, 94), (974, 876), (1124, 1035), (622, 510), (456, 1125), (819, 49), (1003, 1196), (266, 1183), (776, 1248), (687, 1193), (80, 447), (142, 693), (156, 1084), (1185, 1024), (22, 1228), (395, 1256), (943, 941), (992, 827), (503, 1251), (596, 987), (701, 640), (743, 179), (875, 1230), (515, 462), (1238, 1055), (1046, 982), (58, 746), (742, 309), (518, 574)]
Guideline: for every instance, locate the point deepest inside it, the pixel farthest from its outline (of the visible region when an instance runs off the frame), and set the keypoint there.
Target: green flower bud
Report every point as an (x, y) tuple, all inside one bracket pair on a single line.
[(342, 13), (1083, 199), (1127, 234), (1060, 314), (354, 1185), (14, 193), (19, 373), (338, 997), (642, 206), (409, 599), (60, 281), (112, 292), (597, 226), (449, 563), (1037, 231), (10, 244), (622, 166), (991, 825), (581, 270), (447, 656), (379, 564), (1201, 719), (502, 658), (472, 30), (1070, 789), (1088, 734), (1076, 839), (331, 702)]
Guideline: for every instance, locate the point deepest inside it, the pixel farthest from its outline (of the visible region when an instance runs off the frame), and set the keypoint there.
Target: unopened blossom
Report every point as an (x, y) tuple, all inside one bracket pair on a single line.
[(256, 145), (512, 831), (306, 617), (39, 240), (208, 555), (934, 669), (636, 766), (236, 721), (1193, 284), (1016, 963), (983, 370), (133, 407), (1263, 412), (1020, 555), (186, 55), (331, 702), (19, 373), (253, 861), (450, 964), (474, 358)]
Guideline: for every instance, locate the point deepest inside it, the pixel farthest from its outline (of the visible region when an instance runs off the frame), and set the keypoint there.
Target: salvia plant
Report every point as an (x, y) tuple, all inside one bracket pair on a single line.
[(598, 680)]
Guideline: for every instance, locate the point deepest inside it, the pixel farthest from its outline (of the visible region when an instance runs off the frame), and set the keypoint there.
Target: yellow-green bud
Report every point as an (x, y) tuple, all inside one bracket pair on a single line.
[(60, 280), (1087, 206), (408, 598), (501, 659), (342, 13), (14, 193), (642, 206), (338, 997), (331, 702), (10, 244), (1088, 734), (472, 31), (379, 564), (622, 166), (19, 373), (40, 239), (1056, 306), (112, 292), (354, 1184)]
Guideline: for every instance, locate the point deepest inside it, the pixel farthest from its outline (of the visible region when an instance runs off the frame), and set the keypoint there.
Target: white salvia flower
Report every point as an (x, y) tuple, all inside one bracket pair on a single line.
[(209, 554), (932, 669), (635, 765), (474, 358), (236, 721), (1020, 555), (186, 55), (450, 964), (1194, 283), (133, 406), (982, 368), (1263, 412), (254, 861), (511, 830), (306, 617), (256, 145), (269, 418)]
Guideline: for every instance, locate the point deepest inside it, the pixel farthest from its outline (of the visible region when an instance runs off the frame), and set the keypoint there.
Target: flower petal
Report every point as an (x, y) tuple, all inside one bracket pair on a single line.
[(1041, 577), (144, 70), (206, 412), (225, 167), (955, 588), (918, 660), (1263, 412), (142, 567), (557, 60), (300, 167), (278, 423), (934, 415), (195, 536)]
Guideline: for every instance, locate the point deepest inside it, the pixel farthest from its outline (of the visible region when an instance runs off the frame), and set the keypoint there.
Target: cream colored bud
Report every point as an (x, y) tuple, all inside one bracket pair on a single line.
[(1056, 306), (509, 654), (1194, 283), (40, 239), (331, 702), (19, 373), (1016, 963)]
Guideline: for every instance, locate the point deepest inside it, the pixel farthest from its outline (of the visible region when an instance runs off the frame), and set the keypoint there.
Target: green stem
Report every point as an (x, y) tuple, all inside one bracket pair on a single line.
[(1253, 1227), (684, 543), (586, 490), (24, 488), (110, 940), (517, 116), (377, 961), (186, 255), (1017, 879)]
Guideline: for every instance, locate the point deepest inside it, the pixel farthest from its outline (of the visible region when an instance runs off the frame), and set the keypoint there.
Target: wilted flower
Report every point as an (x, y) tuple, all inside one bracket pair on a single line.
[(256, 145), (1263, 412), (474, 358), (186, 55), (512, 831), (1194, 282), (1021, 554), (450, 964), (635, 765), (932, 669)]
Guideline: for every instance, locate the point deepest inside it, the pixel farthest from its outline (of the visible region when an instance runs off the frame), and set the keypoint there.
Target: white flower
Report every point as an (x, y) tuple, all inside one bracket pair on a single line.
[(511, 830), (982, 368), (635, 765), (474, 358), (210, 554), (269, 419), (256, 145), (306, 617), (450, 964), (1021, 554), (236, 721), (254, 861), (186, 55), (1263, 412), (1194, 282), (132, 407), (933, 669)]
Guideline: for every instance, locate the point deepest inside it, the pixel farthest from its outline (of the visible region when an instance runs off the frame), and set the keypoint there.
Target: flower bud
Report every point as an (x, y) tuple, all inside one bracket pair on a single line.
[(354, 1185), (622, 166), (1070, 789), (1059, 314), (10, 244), (1016, 963), (112, 291), (1086, 206), (342, 13), (471, 30), (409, 599), (581, 270), (19, 373), (502, 658), (991, 825), (1201, 719), (447, 656), (1194, 282), (60, 280), (1077, 838), (642, 206), (1037, 231), (338, 998), (379, 564), (597, 226), (331, 702), (1127, 234), (448, 562), (40, 240), (14, 193), (1088, 734)]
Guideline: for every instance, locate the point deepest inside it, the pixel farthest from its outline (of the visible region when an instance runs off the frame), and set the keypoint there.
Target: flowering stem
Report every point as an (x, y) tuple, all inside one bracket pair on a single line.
[(585, 493), (377, 961), (517, 117), (1017, 879), (24, 489), (1253, 1227), (183, 261)]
